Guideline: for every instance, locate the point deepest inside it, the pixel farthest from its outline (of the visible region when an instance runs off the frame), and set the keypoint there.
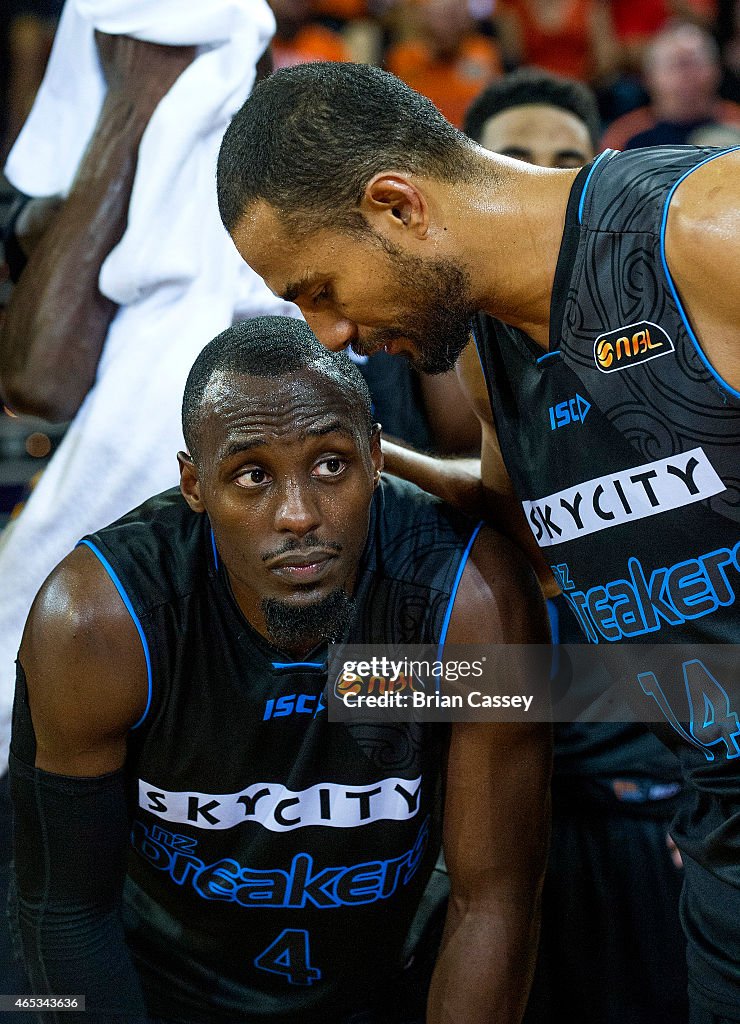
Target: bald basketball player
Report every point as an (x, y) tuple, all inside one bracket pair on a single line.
[(605, 305), (194, 840)]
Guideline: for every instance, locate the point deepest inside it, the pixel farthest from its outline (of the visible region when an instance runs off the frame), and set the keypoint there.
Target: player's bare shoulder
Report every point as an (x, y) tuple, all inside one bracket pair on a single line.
[(702, 252), (499, 599), (84, 668)]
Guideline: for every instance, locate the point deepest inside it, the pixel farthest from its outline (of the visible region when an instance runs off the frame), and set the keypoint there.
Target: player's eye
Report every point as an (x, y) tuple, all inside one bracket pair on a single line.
[(333, 466), (320, 295), (252, 477)]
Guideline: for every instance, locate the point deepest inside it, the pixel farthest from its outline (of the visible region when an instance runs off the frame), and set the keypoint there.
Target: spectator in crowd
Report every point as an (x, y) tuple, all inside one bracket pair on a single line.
[(568, 37), (534, 116), (636, 23), (341, 10), (445, 58), (682, 74)]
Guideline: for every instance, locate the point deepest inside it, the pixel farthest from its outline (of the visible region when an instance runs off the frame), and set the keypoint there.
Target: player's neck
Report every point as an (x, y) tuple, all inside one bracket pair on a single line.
[(514, 248)]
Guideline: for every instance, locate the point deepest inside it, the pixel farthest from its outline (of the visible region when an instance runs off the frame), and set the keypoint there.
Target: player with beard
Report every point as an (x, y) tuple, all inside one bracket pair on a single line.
[(608, 336), (194, 841), (606, 952)]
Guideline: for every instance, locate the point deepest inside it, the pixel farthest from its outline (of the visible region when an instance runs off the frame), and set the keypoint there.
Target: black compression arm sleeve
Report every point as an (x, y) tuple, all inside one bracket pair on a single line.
[(70, 842)]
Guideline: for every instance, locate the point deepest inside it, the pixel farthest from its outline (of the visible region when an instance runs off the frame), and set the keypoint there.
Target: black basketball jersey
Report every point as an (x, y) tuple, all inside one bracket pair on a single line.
[(276, 859), (622, 443)]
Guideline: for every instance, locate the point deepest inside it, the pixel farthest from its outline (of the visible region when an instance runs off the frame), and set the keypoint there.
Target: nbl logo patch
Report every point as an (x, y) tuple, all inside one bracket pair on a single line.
[(630, 345)]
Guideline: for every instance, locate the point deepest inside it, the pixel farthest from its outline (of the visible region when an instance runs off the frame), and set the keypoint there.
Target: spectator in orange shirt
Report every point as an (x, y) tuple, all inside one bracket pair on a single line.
[(299, 40), (447, 60), (682, 74), (572, 38)]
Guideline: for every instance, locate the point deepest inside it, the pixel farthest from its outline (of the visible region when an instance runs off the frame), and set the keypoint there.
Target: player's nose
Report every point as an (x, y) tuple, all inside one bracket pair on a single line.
[(296, 512), (334, 333)]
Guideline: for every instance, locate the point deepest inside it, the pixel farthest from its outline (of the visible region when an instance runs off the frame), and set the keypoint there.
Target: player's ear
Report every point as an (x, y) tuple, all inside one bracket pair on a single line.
[(376, 452), (392, 203), (189, 482)]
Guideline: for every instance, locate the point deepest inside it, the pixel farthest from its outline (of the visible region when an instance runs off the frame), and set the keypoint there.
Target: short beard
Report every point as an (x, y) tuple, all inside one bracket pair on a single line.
[(440, 326), (292, 627)]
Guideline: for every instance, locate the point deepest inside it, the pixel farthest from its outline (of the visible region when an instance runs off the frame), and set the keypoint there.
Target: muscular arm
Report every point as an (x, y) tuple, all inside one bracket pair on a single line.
[(703, 254), (482, 488), (82, 683), (496, 824), (57, 319)]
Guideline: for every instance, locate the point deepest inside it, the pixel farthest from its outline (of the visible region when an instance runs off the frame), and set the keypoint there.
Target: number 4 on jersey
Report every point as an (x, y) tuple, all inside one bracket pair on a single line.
[(288, 955)]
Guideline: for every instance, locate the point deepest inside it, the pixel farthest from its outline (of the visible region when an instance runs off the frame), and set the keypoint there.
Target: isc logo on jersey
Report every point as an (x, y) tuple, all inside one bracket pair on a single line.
[(573, 410), (627, 346)]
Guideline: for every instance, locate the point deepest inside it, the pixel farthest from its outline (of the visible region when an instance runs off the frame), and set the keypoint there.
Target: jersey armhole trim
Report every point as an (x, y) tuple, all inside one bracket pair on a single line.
[(587, 182), (130, 609), (455, 586), (474, 336), (214, 550), (299, 664), (674, 292)]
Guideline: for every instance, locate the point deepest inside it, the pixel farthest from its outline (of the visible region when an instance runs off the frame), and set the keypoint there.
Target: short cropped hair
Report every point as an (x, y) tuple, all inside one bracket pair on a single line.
[(268, 346), (309, 138), (530, 85)]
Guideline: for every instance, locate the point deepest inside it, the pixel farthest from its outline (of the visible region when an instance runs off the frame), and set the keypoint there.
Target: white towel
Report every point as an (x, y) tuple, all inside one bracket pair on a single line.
[(175, 273)]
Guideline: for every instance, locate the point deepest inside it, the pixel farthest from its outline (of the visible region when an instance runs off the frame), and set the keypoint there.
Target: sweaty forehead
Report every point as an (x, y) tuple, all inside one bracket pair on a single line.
[(241, 408)]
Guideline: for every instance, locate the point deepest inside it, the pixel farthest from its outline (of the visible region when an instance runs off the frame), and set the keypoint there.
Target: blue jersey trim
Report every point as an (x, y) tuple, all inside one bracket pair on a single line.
[(586, 183), (548, 355), (477, 349), (130, 609), (215, 552), (455, 586), (553, 613), (299, 664), (666, 271)]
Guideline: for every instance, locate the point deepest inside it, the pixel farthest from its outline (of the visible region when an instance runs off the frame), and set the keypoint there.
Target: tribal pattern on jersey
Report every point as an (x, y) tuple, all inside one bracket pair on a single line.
[(622, 442)]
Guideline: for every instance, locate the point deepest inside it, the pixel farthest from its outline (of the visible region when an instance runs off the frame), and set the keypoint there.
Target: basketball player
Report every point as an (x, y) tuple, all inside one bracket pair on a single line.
[(606, 951), (612, 367), (175, 662)]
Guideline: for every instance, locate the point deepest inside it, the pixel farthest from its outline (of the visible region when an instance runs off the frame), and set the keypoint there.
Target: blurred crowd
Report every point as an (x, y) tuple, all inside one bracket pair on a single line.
[(663, 72), (677, 62)]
